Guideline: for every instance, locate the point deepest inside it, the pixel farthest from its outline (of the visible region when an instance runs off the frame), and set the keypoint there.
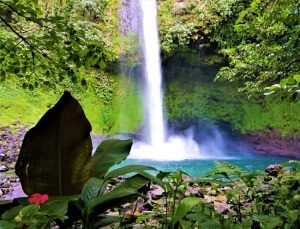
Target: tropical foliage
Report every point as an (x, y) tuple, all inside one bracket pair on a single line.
[(264, 49), (78, 183), (259, 39), (50, 44)]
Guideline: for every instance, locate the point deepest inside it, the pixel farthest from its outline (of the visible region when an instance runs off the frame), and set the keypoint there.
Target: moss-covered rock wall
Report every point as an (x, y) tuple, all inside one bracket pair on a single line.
[(192, 93)]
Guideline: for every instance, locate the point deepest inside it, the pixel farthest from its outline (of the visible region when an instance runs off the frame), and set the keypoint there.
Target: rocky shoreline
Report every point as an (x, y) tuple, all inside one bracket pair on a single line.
[(10, 143), (266, 143)]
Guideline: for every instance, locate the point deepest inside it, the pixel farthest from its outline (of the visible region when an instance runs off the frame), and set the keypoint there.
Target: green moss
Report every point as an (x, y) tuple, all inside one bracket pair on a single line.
[(191, 92), (23, 105), (283, 117), (113, 109)]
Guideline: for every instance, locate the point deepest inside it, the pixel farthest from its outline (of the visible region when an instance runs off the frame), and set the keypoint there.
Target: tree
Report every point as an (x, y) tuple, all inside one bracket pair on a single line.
[(264, 51), (39, 47)]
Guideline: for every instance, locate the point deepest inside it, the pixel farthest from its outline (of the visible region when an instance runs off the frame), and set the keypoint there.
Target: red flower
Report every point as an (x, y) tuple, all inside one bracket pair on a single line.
[(38, 198)]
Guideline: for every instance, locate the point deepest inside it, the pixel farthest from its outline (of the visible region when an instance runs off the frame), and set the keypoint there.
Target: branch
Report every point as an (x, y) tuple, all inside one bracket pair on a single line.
[(14, 31), (26, 41), (12, 48), (14, 10)]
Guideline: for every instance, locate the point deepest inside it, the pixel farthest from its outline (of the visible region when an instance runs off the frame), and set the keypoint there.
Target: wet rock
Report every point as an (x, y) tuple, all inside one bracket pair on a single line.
[(274, 170), (3, 168)]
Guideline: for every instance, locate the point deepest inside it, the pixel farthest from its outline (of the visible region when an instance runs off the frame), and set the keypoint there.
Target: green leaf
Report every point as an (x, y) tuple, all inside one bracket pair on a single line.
[(128, 169), (211, 224), (11, 213), (109, 153), (119, 195), (57, 208), (297, 77), (184, 206), (153, 179), (7, 224), (105, 220), (102, 64), (56, 153), (92, 188), (29, 211), (268, 221)]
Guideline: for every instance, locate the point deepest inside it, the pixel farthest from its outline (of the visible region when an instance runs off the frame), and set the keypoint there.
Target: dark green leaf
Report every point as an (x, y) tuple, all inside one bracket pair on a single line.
[(109, 153), (56, 153), (57, 208), (105, 220), (7, 224), (92, 188), (11, 213), (119, 195)]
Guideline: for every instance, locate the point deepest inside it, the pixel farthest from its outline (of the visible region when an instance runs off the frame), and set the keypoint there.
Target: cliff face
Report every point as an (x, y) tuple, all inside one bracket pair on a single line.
[(270, 142)]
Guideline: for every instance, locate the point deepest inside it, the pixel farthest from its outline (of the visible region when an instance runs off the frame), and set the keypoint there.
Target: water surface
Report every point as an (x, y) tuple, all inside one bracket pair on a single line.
[(197, 168)]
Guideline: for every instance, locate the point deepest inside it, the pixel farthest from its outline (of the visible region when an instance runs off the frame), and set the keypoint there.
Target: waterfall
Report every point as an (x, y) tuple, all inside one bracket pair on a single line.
[(153, 77), (158, 143)]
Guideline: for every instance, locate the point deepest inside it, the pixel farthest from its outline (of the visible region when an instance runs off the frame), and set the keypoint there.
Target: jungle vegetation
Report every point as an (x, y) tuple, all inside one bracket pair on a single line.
[(51, 46)]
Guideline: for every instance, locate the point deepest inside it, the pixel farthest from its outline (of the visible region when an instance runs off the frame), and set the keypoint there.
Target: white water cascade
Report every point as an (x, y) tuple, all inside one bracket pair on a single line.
[(153, 76), (159, 146)]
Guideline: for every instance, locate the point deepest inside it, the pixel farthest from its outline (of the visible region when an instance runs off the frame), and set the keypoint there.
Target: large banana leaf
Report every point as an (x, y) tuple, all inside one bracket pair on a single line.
[(55, 156), (110, 152)]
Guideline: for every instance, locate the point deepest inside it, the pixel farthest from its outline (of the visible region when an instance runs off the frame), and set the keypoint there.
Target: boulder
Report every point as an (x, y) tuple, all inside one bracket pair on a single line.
[(274, 170)]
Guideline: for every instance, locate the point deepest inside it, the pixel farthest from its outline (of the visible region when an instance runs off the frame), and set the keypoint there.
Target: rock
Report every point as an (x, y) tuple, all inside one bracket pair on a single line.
[(156, 192), (266, 187), (186, 178), (3, 168), (6, 184), (195, 191), (126, 206), (140, 204), (271, 142), (222, 208), (224, 189), (212, 193), (274, 170)]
